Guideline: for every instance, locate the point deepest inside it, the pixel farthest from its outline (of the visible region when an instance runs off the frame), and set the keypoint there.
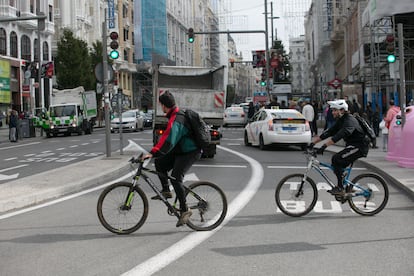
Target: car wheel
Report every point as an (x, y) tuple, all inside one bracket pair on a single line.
[(261, 143), (246, 139)]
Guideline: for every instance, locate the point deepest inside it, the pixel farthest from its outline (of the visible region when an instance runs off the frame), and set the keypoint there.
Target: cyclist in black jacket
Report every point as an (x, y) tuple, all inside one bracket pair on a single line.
[(347, 128)]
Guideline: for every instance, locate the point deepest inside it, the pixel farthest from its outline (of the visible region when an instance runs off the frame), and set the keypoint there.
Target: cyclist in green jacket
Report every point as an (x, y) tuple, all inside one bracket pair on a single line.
[(176, 151)]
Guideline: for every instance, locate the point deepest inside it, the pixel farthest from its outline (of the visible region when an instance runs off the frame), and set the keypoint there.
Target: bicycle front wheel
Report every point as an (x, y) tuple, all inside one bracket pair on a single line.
[(208, 204), (369, 194), (122, 208), (294, 199)]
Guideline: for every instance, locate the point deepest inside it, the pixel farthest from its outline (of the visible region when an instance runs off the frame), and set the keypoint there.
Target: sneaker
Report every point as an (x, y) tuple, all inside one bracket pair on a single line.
[(165, 194), (184, 218), (337, 191)]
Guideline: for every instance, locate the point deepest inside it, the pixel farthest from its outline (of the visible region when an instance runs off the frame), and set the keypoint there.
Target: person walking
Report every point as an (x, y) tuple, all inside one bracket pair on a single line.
[(251, 110), (309, 114), (13, 122), (176, 150), (384, 132), (392, 111)]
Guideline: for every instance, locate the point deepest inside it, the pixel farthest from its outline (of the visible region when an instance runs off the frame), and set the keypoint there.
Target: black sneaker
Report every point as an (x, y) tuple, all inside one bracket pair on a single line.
[(337, 191), (165, 194), (184, 218)]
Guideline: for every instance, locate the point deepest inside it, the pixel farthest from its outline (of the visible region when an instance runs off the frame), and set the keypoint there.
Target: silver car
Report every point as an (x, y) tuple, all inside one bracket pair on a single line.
[(131, 120)]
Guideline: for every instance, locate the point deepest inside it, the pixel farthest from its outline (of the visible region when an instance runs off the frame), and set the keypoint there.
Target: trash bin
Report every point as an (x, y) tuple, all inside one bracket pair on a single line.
[(24, 128)]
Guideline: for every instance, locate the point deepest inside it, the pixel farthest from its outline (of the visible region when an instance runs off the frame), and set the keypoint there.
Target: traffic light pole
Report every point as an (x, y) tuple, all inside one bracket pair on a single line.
[(105, 89), (402, 71)]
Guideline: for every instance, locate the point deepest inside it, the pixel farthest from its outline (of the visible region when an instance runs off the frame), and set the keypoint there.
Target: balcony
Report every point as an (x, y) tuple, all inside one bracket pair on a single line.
[(28, 24), (8, 11)]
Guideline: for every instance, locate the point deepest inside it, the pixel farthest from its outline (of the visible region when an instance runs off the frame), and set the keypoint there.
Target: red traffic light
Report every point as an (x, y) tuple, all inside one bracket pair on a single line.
[(390, 38), (113, 35)]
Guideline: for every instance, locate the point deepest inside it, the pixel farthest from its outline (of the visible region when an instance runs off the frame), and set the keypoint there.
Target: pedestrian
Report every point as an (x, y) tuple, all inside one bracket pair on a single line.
[(316, 117), (350, 106), (176, 150), (384, 132), (274, 103), (375, 119), (355, 107), (309, 114), (370, 113), (392, 111), (347, 128), (330, 120), (251, 110), (13, 126)]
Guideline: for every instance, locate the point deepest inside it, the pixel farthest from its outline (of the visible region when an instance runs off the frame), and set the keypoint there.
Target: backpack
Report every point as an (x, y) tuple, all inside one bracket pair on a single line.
[(369, 132), (200, 132)]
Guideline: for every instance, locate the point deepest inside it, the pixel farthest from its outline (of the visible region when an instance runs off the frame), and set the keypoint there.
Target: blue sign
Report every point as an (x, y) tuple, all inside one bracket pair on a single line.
[(111, 14)]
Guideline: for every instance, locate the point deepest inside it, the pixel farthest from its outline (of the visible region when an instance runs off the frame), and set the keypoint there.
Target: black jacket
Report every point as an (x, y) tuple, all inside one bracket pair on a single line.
[(347, 128)]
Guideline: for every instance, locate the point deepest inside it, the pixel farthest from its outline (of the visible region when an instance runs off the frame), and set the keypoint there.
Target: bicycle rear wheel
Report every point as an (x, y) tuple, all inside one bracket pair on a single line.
[(369, 194), (208, 204), (292, 201), (113, 212)]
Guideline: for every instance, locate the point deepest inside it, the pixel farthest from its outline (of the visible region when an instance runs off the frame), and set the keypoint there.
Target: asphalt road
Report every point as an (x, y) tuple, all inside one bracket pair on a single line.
[(67, 238)]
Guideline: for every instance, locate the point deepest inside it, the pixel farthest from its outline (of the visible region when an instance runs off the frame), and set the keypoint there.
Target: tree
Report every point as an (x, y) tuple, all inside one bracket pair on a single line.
[(282, 73), (73, 63)]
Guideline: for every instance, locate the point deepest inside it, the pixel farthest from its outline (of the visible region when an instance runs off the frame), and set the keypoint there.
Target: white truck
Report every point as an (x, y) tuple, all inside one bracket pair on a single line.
[(71, 111), (197, 88)]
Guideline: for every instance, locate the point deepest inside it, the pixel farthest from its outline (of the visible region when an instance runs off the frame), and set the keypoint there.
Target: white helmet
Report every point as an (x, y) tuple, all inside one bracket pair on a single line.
[(338, 104)]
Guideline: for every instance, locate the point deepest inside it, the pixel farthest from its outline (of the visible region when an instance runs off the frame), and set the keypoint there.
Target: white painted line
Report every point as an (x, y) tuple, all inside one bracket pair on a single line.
[(233, 144), (85, 144), (74, 146), (30, 154), (220, 166), (20, 145), (11, 158), (303, 167), (177, 250), (12, 168)]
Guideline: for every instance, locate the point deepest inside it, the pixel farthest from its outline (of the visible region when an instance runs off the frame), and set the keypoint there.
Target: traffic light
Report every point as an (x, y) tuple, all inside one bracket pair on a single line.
[(191, 35), (114, 54), (263, 80), (398, 119), (390, 47)]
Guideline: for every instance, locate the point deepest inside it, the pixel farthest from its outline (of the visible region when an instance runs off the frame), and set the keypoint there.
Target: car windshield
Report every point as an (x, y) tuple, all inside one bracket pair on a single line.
[(65, 110), (128, 114)]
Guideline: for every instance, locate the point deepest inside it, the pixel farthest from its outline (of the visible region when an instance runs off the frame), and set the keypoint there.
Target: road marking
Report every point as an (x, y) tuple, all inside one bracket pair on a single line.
[(12, 168), (11, 158), (233, 144), (303, 167), (220, 166), (20, 145), (177, 250)]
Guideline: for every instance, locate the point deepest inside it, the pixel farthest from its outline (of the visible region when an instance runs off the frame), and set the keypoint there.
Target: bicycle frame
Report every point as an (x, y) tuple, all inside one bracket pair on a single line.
[(138, 174), (315, 164)]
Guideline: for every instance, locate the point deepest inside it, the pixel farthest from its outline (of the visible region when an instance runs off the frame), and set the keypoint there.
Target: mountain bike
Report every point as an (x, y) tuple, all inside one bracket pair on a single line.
[(297, 194), (123, 206)]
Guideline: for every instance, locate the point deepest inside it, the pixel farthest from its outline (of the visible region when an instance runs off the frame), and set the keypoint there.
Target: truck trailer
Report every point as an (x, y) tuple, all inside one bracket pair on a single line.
[(198, 88)]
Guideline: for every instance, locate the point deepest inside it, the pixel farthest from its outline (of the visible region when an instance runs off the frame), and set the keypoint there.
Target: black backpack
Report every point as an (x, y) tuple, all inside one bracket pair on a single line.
[(199, 129), (369, 132)]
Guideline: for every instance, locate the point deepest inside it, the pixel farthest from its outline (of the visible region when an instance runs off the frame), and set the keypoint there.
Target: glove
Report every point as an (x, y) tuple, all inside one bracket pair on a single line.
[(321, 150), (311, 145)]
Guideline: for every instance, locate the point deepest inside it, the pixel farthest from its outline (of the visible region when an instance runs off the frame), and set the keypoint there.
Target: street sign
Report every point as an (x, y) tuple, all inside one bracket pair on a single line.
[(99, 75), (335, 83)]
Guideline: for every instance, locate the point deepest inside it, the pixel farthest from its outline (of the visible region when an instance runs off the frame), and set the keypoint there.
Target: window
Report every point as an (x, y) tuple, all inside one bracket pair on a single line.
[(32, 6), (3, 42), (45, 51), (35, 49), (13, 44), (25, 48), (50, 13)]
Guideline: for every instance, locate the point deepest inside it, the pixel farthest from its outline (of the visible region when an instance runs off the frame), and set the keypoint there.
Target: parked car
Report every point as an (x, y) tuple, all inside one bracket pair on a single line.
[(277, 126), (234, 115), (131, 120)]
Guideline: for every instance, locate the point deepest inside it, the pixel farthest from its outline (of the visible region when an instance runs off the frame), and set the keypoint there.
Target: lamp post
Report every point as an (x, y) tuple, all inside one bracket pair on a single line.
[(271, 22)]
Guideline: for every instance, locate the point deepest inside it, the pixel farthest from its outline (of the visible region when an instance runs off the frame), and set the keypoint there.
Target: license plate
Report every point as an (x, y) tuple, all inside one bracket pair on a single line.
[(62, 130), (289, 128)]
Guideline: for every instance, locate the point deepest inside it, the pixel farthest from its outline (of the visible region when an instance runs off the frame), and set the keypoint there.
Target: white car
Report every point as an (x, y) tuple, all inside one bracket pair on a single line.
[(131, 120), (277, 126), (234, 115)]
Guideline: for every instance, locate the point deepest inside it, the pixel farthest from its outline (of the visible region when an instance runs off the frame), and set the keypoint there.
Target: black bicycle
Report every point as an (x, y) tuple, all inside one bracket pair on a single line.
[(297, 194), (123, 206)]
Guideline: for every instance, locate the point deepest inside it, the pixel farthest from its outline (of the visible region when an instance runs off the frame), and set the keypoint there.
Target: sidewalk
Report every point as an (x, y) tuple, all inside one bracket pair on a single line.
[(93, 172)]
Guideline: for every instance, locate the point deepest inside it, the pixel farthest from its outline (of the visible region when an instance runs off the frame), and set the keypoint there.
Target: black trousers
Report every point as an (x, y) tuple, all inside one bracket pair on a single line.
[(342, 159), (179, 164)]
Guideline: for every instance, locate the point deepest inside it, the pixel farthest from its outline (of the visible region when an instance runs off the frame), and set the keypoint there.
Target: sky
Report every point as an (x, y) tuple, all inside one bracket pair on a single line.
[(249, 15)]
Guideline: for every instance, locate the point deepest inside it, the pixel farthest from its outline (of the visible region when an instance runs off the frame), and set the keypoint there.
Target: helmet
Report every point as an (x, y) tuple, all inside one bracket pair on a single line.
[(338, 104)]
